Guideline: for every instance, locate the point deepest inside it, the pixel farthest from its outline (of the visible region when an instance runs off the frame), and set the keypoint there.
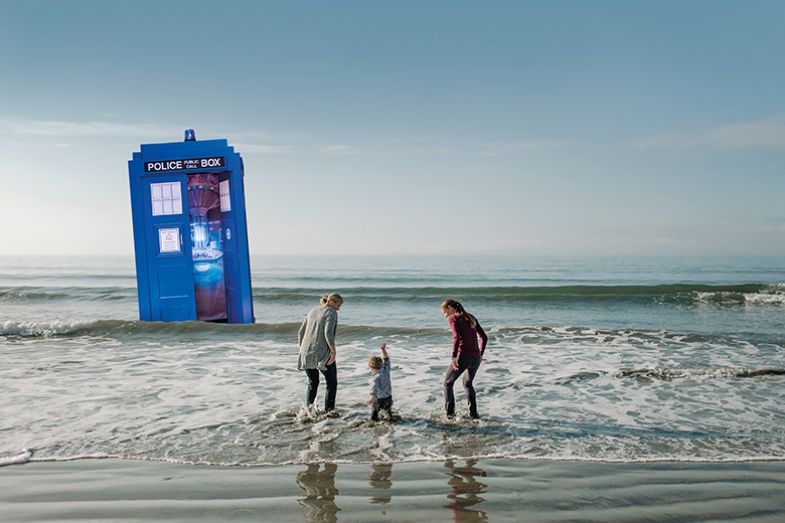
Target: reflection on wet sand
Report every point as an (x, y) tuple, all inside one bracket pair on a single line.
[(379, 478), (319, 488), (465, 491), (317, 482)]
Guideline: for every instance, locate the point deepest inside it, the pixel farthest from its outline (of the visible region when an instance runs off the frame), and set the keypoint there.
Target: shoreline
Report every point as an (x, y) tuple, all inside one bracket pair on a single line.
[(451, 490)]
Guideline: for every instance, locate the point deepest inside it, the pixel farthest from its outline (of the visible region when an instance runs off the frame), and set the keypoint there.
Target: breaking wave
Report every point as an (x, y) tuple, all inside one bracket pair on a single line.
[(677, 294), (648, 375), (74, 328)]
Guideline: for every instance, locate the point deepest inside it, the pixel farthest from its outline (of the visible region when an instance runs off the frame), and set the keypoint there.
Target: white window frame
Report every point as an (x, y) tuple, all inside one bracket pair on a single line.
[(166, 198), (226, 200)]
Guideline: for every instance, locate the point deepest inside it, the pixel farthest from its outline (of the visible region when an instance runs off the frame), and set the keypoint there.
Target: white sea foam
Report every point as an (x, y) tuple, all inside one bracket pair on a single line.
[(660, 382), (24, 457), (41, 328), (772, 295)]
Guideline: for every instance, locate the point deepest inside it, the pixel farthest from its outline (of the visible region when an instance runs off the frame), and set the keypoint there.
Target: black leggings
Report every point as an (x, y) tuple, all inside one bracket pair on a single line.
[(331, 378), (471, 366)]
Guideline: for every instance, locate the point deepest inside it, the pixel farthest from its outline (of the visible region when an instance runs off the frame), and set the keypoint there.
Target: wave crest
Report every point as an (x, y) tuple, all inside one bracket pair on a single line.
[(766, 295), (68, 328), (50, 328), (649, 375), (670, 374), (677, 294), (19, 459)]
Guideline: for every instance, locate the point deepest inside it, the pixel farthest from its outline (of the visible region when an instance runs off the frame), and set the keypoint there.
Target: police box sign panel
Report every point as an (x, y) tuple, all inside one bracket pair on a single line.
[(183, 165)]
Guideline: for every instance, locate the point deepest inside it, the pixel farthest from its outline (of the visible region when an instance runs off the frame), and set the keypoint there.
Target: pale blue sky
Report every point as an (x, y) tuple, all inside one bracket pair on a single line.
[(558, 127)]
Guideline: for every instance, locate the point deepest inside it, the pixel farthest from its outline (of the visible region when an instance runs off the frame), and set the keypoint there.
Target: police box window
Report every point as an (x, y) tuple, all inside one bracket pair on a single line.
[(166, 198), (226, 202)]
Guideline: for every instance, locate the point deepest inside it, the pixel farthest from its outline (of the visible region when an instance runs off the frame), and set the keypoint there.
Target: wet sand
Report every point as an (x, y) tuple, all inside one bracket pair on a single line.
[(454, 490)]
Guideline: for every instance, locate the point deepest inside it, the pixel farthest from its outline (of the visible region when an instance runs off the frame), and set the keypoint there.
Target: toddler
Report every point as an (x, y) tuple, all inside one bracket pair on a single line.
[(381, 388)]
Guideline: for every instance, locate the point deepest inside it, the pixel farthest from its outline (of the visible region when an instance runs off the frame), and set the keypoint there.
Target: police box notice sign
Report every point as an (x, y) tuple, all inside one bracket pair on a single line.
[(183, 165)]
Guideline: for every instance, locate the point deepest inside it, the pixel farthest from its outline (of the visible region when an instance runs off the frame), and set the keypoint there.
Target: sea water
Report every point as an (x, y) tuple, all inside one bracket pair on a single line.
[(625, 359)]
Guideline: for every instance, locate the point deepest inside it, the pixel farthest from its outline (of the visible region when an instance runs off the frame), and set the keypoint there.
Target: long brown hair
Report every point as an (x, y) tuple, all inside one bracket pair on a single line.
[(459, 310)]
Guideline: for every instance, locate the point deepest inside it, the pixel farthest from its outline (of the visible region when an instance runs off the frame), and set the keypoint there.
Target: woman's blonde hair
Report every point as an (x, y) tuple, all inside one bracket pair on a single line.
[(331, 297), (460, 311)]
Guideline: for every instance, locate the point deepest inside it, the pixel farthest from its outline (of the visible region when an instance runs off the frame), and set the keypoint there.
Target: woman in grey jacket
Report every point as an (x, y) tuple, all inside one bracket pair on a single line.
[(317, 348)]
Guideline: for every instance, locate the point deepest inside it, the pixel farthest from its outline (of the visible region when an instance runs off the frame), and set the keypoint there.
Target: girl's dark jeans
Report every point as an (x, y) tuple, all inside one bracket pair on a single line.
[(470, 365), (331, 378)]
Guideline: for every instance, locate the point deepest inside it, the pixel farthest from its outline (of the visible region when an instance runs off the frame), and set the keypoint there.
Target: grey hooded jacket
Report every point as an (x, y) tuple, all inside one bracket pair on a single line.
[(316, 336)]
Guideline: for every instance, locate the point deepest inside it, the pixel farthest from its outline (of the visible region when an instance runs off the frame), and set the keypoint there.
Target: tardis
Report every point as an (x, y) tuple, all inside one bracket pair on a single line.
[(190, 232)]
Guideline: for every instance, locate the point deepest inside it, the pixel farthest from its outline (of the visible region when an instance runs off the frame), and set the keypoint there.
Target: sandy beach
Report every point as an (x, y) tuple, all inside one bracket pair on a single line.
[(454, 490)]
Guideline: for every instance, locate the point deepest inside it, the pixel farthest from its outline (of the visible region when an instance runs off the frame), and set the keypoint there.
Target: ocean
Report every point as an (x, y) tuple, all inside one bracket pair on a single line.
[(609, 359)]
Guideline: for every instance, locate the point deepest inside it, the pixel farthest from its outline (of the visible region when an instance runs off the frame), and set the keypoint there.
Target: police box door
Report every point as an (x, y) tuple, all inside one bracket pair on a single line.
[(168, 238), (232, 242)]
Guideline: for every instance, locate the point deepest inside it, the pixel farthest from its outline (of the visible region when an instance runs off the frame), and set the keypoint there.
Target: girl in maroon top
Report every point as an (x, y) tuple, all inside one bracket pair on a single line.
[(466, 354)]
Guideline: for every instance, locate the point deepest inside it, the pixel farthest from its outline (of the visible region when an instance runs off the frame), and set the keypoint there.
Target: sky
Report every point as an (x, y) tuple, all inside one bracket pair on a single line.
[(412, 127)]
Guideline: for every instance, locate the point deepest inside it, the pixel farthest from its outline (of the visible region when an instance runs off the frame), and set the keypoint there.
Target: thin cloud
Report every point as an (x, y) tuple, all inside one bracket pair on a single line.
[(518, 147), (250, 141), (767, 133), (475, 147), (66, 129), (266, 149), (258, 142), (338, 150), (256, 137)]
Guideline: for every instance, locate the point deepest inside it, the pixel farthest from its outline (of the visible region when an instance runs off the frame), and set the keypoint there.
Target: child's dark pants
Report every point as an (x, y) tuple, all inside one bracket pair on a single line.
[(381, 404)]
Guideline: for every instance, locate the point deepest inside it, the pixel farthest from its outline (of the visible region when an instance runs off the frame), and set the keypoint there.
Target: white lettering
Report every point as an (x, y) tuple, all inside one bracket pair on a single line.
[(178, 165)]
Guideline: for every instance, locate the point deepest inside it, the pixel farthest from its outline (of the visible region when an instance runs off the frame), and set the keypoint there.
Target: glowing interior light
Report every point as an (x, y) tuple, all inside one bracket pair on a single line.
[(200, 234)]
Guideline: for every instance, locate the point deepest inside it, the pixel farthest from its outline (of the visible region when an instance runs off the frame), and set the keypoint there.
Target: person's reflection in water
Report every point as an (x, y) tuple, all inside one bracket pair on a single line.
[(379, 478), (465, 491), (320, 492)]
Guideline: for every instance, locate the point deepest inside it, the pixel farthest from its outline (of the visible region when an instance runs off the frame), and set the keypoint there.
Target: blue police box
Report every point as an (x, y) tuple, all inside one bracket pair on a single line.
[(190, 232)]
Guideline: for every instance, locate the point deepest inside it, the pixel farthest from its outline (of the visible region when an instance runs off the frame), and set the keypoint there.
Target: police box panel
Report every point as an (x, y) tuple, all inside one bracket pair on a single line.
[(168, 246)]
